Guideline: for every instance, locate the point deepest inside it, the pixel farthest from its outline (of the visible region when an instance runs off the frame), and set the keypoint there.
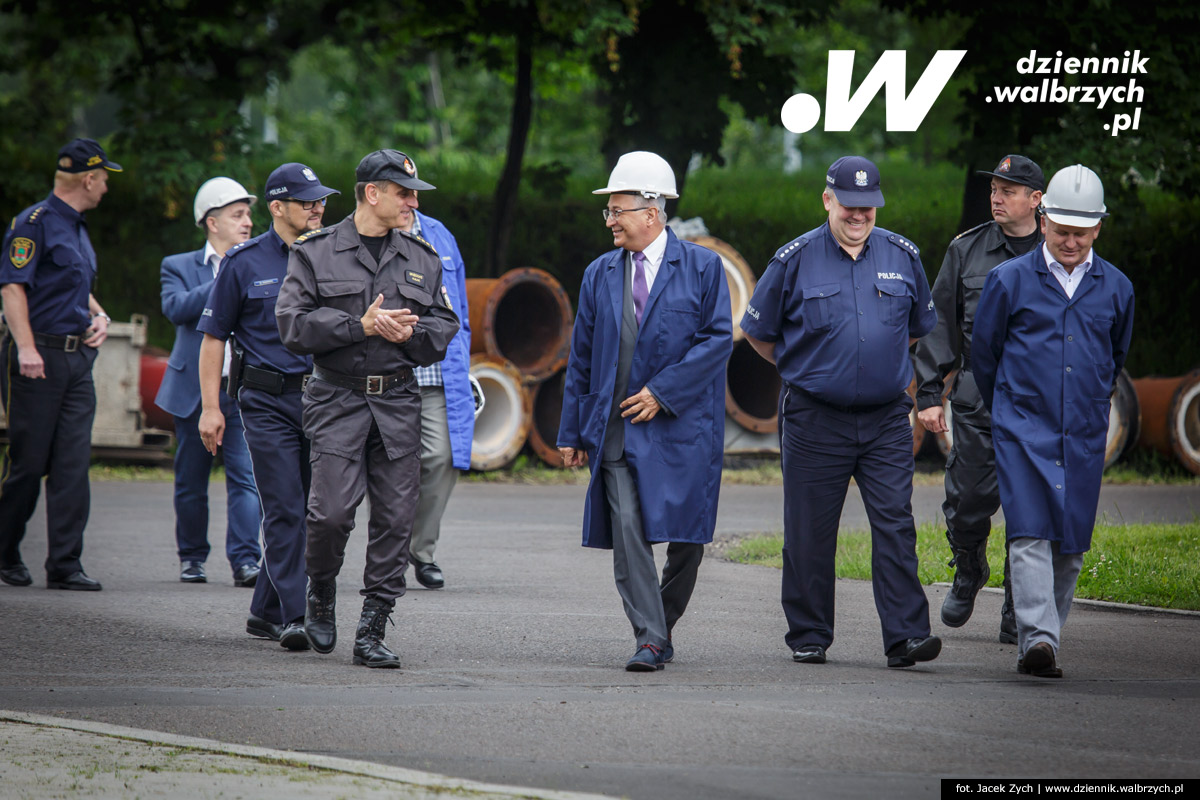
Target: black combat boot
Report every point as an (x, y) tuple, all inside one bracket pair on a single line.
[(369, 649), (971, 573), (319, 621), (1008, 616)]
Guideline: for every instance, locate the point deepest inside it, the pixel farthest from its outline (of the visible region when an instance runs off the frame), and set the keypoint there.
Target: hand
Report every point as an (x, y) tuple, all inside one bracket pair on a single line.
[(643, 404), (934, 419), (572, 457), (212, 429), (95, 335), (396, 326), (31, 363)]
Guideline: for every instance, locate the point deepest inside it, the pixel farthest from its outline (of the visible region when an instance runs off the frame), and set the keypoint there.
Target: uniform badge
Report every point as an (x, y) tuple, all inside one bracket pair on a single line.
[(408, 167), (20, 252), (415, 278), (1005, 165), (446, 298), (860, 178), (308, 173)]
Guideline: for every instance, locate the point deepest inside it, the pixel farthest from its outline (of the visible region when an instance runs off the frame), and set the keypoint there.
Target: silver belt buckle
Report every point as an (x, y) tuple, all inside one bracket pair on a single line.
[(304, 383), (72, 344), (374, 384)]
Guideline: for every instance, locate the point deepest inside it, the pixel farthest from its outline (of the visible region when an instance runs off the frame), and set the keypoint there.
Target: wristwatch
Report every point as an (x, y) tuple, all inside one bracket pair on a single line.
[(107, 318)]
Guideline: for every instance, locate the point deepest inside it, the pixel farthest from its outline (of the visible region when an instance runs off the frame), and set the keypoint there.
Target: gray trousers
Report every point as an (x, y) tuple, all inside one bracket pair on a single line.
[(1043, 585), (438, 474), (338, 487), (652, 606)]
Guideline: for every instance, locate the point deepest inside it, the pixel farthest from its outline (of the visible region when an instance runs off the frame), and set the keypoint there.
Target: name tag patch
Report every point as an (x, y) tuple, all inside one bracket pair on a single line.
[(415, 278), (267, 282), (890, 276)]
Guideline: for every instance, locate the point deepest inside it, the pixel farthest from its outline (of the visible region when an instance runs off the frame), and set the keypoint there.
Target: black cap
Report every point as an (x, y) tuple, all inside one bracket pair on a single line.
[(83, 155), (390, 165), (854, 181), (294, 181), (1019, 169)]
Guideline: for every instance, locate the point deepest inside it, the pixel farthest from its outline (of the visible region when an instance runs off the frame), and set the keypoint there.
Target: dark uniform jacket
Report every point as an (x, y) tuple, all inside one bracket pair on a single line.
[(331, 281), (969, 258)]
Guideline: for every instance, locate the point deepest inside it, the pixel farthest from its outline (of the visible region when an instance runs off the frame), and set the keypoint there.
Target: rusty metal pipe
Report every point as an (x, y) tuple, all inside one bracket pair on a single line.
[(547, 411), (1171, 417), (752, 390), (523, 316), (738, 276)]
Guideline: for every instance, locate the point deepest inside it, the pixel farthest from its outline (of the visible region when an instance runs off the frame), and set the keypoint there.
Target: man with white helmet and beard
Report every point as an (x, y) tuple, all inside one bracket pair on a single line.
[(222, 211), (1051, 336), (643, 401)]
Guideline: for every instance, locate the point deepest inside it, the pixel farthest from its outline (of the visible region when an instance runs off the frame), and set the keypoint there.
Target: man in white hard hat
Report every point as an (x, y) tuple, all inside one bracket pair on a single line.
[(644, 401), (1051, 336), (222, 211)]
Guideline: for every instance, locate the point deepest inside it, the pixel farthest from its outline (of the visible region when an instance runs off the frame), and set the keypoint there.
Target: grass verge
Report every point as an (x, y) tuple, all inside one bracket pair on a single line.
[(1147, 564)]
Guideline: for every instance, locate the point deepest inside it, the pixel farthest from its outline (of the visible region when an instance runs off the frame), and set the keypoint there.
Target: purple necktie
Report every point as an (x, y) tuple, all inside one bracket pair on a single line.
[(640, 290)]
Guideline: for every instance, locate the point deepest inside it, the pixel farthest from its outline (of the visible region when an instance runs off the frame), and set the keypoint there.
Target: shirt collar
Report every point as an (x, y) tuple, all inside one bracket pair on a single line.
[(274, 239), (655, 250), (416, 226), (209, 252), (1083, 267), (61, 207)]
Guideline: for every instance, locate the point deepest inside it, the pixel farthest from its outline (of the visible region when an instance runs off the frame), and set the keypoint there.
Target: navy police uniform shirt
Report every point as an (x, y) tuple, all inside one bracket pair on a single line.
[(242, 303), (841, 326), (48, 250)]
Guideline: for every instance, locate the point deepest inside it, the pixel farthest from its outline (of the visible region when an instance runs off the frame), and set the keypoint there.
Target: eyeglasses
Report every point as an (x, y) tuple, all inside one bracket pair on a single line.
[(309, 205), (615, 213)]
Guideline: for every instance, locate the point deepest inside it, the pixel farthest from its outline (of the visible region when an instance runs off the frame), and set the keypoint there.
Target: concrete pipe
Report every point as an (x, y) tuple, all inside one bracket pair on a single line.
[(502, 427), (1171, 417), (752, 390), (742, 442), (547, 411), (1124, 420), (918, 430), (523, 316), (738, 275)]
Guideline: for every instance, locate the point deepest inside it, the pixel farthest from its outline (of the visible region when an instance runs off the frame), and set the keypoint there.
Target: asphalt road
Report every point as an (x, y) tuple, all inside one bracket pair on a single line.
[(512, 674)]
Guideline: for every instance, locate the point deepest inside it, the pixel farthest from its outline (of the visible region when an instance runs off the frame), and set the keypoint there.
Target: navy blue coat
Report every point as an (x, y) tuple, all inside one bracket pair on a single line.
[(683, 344), (1046, 366), (186, 280)]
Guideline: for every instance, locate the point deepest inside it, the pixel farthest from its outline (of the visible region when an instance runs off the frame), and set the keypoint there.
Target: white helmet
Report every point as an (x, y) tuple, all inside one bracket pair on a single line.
[(218, 193), (1075, 197), (642, 173)]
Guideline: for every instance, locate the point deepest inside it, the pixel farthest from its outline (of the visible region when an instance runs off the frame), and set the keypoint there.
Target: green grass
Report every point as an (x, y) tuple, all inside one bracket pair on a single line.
[(1151, 564)]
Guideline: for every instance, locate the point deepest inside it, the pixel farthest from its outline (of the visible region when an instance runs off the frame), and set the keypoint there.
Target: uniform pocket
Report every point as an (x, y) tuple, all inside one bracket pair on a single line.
[(972, 288), (1101, 344), (894, 302), (817, 306), (344, 296), (415, 298), (676, 332)]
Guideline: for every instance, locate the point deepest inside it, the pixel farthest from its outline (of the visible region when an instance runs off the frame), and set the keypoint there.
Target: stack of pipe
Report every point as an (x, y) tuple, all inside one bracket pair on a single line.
[(1170, 418), (520, 339)]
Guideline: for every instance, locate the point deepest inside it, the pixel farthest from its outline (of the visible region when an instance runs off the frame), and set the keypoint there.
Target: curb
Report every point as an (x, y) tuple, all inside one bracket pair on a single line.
[(400, 775), (1102, 605)]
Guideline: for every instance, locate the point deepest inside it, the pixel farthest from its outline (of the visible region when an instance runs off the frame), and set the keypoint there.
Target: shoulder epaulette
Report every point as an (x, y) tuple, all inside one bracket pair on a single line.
[(240, 246), (980, 226), (798, 243), (33, 215), (304, 237), (904, 244), (416, 237)]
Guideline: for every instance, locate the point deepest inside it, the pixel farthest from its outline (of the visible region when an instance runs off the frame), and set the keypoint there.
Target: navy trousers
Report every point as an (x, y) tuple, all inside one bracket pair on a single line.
[(193, 464), (822, 449), (50, 436), (279, 452)]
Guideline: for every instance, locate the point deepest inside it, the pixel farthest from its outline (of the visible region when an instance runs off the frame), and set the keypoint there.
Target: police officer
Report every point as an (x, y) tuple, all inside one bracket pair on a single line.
[(47, 267), (222, 209), (367, 301), (836, 310), (242, 304), (972, 496)]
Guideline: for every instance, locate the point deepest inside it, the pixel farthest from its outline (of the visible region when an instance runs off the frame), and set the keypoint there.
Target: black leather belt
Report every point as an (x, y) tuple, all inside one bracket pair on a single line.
[(844, 409), (372, 384), (68, 343), (270, 381)]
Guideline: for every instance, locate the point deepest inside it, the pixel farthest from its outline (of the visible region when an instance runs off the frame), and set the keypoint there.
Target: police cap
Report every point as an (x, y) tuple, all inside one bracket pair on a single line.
[(294, 181), (390, 165), (84, 155), (854, 181)]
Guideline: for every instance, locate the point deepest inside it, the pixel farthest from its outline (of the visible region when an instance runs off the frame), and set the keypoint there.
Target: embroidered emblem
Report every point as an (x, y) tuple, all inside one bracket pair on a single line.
[(308, 173), (860, 178), (409, 168), (20, 252), (446, 298), (1005, 165)]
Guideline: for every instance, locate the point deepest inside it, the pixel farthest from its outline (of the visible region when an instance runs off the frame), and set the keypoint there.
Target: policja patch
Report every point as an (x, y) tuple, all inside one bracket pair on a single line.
[(20, 252)]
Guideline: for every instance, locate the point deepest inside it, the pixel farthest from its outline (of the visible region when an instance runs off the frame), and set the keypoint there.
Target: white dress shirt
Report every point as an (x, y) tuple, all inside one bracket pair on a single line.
[(1068, 280), (654, 253)]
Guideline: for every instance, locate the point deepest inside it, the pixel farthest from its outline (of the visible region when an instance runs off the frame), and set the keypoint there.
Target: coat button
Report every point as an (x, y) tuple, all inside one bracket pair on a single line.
[(1058, 486), (1070, 338), (1068, 369)]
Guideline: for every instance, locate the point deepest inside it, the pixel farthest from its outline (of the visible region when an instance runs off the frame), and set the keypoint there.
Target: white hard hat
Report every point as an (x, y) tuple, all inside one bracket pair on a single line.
[(477, 395), (1075, 197), (642, 173), (218, 193)]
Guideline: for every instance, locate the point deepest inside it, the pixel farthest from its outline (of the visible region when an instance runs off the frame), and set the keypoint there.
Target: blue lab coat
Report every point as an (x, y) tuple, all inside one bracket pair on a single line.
[(682, 347), (1046, 366)]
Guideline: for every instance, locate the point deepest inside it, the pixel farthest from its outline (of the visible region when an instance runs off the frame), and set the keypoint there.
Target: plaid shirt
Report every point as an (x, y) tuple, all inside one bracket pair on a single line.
[(431, 375)]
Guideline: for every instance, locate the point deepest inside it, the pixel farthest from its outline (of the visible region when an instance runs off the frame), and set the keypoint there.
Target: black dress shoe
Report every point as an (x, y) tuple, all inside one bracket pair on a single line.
[(1039, 662), (257, 626), (910, 651), (192, 572), (245, 575), (76, 581), (16, 575), (809, 654), (293, 637), (428, 575)]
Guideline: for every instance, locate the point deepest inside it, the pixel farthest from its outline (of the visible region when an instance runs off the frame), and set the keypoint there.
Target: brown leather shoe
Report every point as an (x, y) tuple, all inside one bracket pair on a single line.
[(1039, 662)]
